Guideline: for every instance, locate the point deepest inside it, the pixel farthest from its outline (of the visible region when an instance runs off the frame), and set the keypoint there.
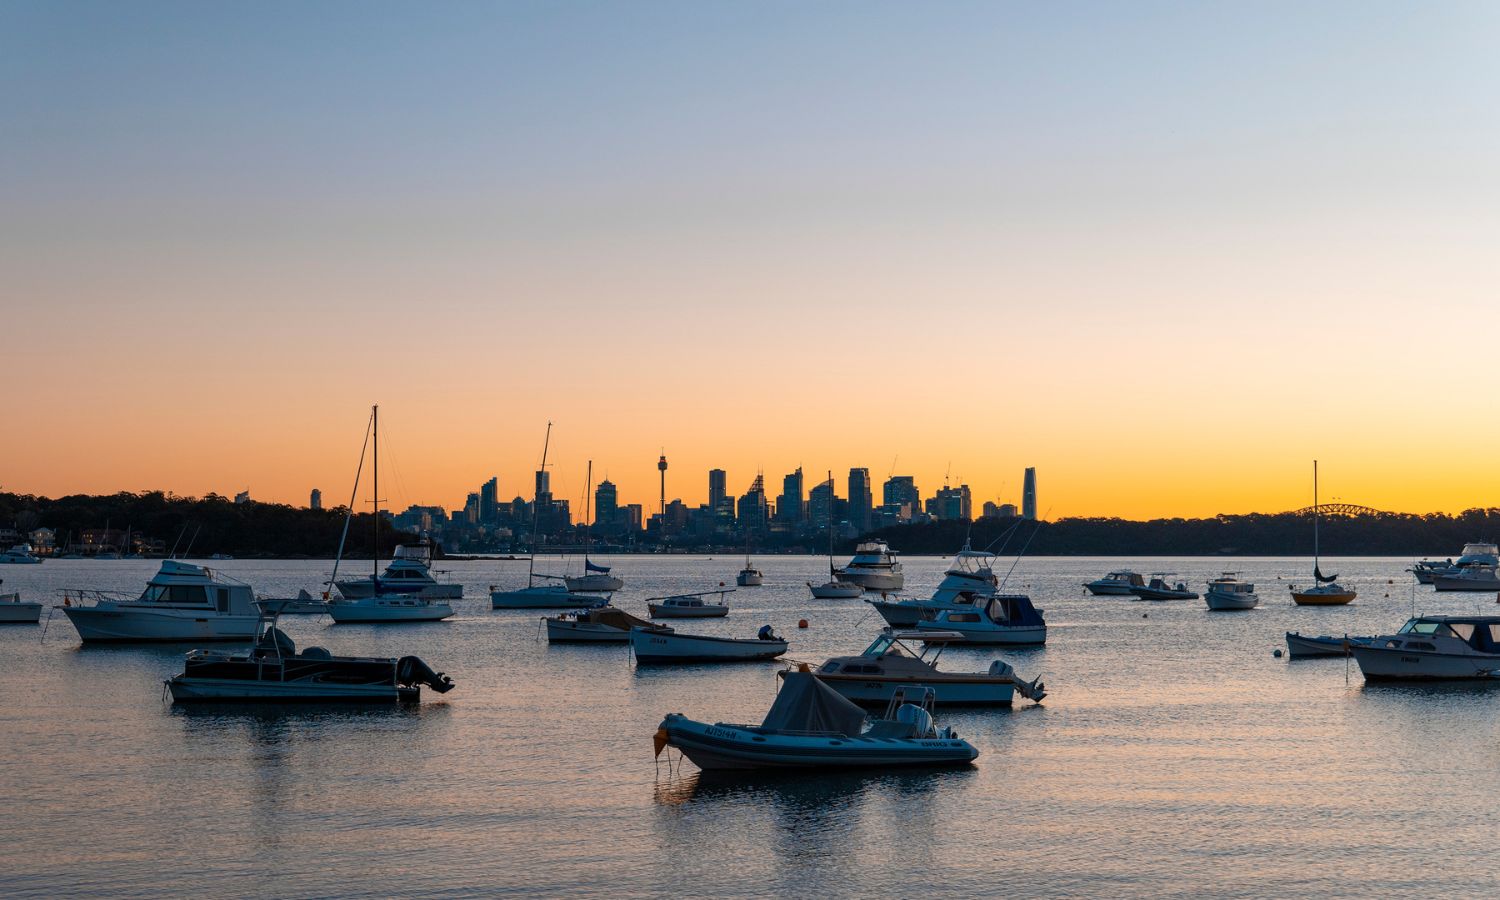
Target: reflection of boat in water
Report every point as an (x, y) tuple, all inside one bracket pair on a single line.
[(889, 663), (1434, 648), (1229, 592), (1327, 591), (659, 644), (181, 602), (811, 726), (273, 670), (874, 567), (1116, 584), (689, 606), (1160, 587), (968, 580), (1299, 646), (600, 625)]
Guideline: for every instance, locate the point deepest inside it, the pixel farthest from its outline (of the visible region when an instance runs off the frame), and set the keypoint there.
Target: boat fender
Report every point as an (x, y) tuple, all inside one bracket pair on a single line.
[(802, 623), (1276, 654)]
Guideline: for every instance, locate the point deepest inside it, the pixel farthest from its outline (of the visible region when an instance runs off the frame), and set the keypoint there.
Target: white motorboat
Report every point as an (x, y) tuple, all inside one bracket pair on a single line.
[(596, 579), (658, 644), (970, 579), (1004, 619), (1161, 587), (1299, 646), (1425, 570), (1229, 592), (20, 555), (689, 606), (1433, 648), (273, 670), (409, 574), (15, 611), (181, 602), (1116, 584), (1326, 590), (600, 625), (875, 675), (810, 726), (874, 567), (1474, 577)]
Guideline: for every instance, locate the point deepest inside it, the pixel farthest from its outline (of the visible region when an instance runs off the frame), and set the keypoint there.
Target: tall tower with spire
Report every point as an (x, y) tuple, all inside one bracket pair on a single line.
[(661, 466)]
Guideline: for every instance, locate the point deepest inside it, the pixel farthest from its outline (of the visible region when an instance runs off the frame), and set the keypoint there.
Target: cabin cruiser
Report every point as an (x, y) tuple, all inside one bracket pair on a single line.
[(689, 606), (874, 567), (1162, 588), (811, 726), (1425, 570), (1116, 584), (1004, 619), (409, 574), (600, 625), (1229, 592), (1474, 577), (659, 644), (181, 602), (15, 612), (969, 580), (20, 555), (1300, 645), (1434, 647), (889, 663), (273, 670), (544, 592), (1475, 553), (594, 580)]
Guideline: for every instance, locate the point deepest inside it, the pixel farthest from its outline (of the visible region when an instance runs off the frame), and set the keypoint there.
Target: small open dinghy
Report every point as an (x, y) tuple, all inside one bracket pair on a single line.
[(1299, 646), (600, 625), (657, 644), (811, 726), (272, 669)]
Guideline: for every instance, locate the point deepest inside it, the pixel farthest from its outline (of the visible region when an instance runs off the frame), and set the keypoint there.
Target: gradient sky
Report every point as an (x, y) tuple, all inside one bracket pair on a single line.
[(1168, 253)]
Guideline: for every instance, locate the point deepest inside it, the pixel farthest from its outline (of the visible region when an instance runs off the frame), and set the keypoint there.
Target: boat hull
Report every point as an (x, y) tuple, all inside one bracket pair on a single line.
[(1299, 646), (1108, 590), (208, 690), (744, 579), (133, 626), (566, 632), (1322, 599), (1219, 601), (835, 592), (901, 615), (658, 647), (958, 690), (733, 747), (370, 612), (549, 598), (711, 611), (364, 589), (20, 613), (1379, 663), (1024, 635), (1476, 585), (598, 584), (879, 582), (1144, 593)]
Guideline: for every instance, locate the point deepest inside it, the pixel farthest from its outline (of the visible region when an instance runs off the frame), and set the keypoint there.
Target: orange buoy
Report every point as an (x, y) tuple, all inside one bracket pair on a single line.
[(802, 623)]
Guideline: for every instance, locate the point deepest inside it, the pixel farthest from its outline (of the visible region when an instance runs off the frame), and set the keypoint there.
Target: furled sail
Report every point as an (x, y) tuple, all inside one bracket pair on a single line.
[(1324, 579)]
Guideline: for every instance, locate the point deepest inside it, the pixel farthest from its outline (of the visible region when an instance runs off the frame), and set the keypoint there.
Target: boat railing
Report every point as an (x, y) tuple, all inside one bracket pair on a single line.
[(78, 596)]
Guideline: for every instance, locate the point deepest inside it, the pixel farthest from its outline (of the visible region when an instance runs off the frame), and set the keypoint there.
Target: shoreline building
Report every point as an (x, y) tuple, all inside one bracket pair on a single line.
[(1028, 495)]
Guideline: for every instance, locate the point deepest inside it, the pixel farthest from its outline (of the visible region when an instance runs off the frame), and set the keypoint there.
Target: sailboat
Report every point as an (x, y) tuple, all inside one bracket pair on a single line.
[(542, 591), (834, 588), (381, 606), (749, 576), (1327, 591), (595, 578)]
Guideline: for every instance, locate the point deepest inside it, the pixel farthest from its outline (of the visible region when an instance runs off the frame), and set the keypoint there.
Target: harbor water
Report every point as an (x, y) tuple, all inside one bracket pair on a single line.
[(1175, 755)]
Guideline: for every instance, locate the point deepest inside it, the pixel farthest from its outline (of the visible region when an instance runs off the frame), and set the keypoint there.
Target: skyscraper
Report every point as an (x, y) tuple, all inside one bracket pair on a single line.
[(753, 506), (861, 503), (901, 498), (789, 504), (819, 499), (489, 501), (1028, 495), (661, 466), (315, 501), (718, 482), (606, 506)]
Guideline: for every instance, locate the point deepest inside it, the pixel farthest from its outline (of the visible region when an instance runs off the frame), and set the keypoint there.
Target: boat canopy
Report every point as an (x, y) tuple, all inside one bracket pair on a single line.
[(615, 618), (1015, 610), (807, 704)]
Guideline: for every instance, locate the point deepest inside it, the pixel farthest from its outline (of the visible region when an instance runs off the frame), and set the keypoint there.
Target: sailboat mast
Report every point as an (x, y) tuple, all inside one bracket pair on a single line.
[(375, 497), (536, 493), (832, 574), (588, 514), (1316, 516)]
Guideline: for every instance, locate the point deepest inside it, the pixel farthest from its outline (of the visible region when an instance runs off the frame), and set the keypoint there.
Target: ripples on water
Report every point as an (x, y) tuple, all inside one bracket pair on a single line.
[(1175, 756)]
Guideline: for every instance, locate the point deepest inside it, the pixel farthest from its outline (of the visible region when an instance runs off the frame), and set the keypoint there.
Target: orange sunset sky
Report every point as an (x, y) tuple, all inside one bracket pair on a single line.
[(1166, 254)]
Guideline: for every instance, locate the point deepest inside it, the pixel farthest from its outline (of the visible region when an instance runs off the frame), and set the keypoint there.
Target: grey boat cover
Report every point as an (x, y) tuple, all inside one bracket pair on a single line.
[(807, 704), (615, 618)]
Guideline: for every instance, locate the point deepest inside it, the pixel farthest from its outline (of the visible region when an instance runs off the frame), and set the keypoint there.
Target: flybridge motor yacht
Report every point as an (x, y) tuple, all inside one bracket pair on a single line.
[(182, 602), (874, 567), (409, 574), (874, 676), (970, 580), (811, 726), (1475, 577), (19, 555), (273, 670), (1433, 647), (1115, 584)]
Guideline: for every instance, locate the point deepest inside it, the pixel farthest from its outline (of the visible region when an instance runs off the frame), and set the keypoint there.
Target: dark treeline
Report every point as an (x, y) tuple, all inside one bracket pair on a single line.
[(1283, 534), (213, 524)]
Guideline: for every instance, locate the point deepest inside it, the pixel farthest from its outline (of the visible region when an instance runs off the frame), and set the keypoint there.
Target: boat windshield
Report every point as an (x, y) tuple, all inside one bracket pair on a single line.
[(174, 593)]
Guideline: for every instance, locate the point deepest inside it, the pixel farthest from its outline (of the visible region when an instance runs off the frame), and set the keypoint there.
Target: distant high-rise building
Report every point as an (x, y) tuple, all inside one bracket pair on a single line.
[(242, 497), (991, 511), (752, 506), (819, 499), (1007, 511), (489, 501), (315, 500), (951, 503), (789, 504), (472, 507), (718, 481), (661, 466), (633, 516), (1028, 495), (861, 502), (543, 483), (901, 499), (606, 505)]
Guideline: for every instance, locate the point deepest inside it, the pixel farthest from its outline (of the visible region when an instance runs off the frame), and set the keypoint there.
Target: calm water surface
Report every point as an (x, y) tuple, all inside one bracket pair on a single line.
[(1174, 756)]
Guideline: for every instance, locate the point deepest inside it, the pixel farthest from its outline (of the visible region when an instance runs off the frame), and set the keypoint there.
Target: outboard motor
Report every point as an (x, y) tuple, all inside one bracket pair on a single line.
[(918, 718), (410, 670), (1033, 690)]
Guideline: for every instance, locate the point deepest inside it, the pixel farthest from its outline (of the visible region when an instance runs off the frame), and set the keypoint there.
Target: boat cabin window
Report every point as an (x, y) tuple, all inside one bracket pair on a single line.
[(829, 667), (1464, 630), (963, 617), (1417, 626), (176, 593), (223, 596)]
